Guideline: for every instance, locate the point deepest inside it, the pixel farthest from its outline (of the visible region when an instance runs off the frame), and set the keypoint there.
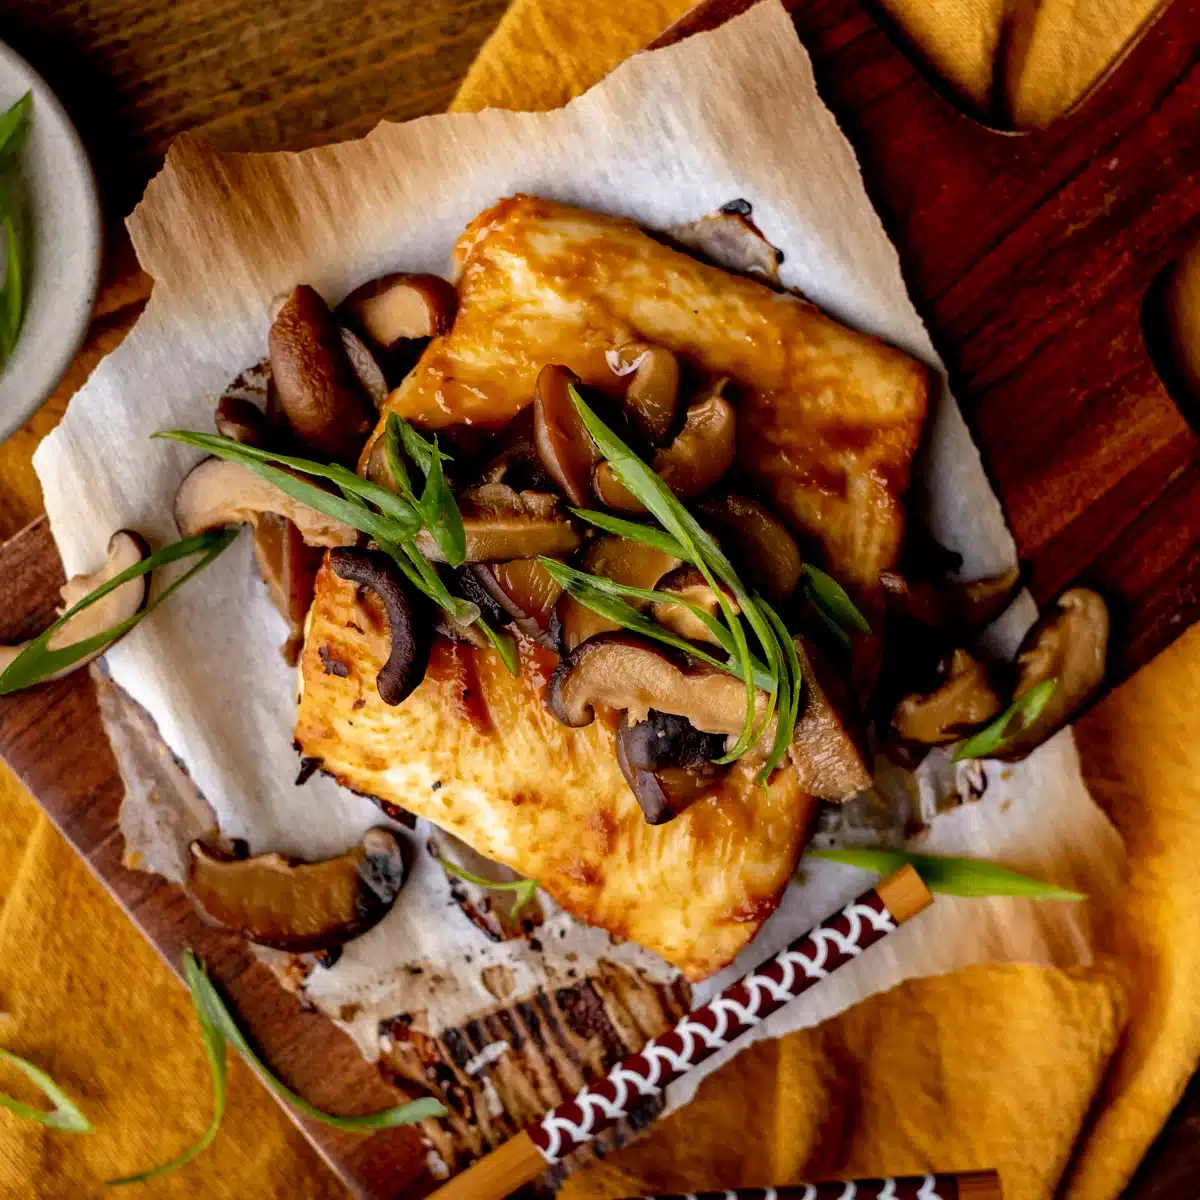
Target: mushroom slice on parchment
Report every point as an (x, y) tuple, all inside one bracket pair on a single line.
[(125, 550), (730, 239), (216, 493), (624, 673), (400, 307), (668, 763), (701, 454), (502, 524), (300, 906), (758, 542), (623, 561), (317, 388), (1069, 645), (963, 700), (287, 563), (411, 628)]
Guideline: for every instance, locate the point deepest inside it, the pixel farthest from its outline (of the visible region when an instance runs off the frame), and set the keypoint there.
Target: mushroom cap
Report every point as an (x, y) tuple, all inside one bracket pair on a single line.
[(399, 307), (125, 549), (217, 493), (698, 458), (730, 239), (625, 673), (652, 396), (317, 388), (410, 626), (501, 524), (758, 542), (1070, 645), (563, 443), (623, 561), (300, 906), (962, 701), (689, 584), (950, 605)]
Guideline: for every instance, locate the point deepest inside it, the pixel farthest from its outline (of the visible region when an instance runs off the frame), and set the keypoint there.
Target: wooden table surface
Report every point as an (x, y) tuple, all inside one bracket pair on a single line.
[(282, 74)]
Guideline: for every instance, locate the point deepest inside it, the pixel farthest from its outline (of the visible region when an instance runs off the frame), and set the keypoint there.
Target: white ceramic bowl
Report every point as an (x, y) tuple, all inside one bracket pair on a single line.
[(64, 246)]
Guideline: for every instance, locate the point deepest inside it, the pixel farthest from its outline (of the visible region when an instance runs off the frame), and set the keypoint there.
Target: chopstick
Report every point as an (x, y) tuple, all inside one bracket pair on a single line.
[(810, 958), (969, 1185)]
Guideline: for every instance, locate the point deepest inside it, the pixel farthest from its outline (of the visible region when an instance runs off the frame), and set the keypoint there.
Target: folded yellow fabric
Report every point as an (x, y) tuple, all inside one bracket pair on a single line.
[(995, 1066)]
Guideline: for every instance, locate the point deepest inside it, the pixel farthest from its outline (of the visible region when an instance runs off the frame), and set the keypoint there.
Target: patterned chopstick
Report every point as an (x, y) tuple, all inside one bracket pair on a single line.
[(971, 1185), (711, 1027)]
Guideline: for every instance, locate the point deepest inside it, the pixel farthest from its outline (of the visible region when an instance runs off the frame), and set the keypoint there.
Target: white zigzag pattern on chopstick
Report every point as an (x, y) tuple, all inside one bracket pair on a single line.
[(663, 1064), (927, 1191)]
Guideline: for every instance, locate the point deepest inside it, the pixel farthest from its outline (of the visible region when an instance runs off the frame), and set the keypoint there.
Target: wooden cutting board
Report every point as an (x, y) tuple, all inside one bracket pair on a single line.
[(1034, 258)]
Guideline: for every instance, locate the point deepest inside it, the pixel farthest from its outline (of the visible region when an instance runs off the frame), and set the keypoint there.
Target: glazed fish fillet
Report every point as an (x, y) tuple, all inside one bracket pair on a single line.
[(473, 750), (828, 423), (828, 419)]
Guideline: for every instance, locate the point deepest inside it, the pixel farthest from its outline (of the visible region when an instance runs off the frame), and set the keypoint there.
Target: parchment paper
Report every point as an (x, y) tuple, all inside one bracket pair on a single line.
[(666, 138)]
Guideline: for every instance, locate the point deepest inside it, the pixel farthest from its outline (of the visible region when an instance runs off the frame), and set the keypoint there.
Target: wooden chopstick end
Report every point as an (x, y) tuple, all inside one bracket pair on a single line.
[(904, 894)]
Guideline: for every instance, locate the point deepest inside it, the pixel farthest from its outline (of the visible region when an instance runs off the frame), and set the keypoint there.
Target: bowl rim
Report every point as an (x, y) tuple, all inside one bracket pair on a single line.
[(50, 107)]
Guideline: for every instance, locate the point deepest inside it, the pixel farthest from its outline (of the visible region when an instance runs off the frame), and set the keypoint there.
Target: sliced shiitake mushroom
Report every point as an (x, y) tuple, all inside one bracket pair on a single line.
[(828, 747), (397, 307), (289, 569), (125, 550), (623, 561), (1069, 645), (730, 239), (652, 395), (948, 604), (621, 672), (702, 452), (216, 493), (689, 584), (563, 442), (517, 462), (300, 906), (242, 421), (318, 391), (667, 763), (365, 366), (758, 542), (286, 562), (963, 700), (410, 627), (503, 524), (524, 591)]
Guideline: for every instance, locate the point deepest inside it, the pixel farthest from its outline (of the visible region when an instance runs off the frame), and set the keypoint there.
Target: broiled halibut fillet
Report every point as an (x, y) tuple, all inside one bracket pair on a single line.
[(498, 771), (828, 420)]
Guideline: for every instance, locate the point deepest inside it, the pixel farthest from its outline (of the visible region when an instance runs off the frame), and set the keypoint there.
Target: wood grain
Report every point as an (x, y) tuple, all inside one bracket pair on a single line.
[(1029, 256)]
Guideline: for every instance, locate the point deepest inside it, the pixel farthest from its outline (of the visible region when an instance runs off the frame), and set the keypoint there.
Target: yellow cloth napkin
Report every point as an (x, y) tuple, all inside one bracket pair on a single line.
[(1033, 1071)]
